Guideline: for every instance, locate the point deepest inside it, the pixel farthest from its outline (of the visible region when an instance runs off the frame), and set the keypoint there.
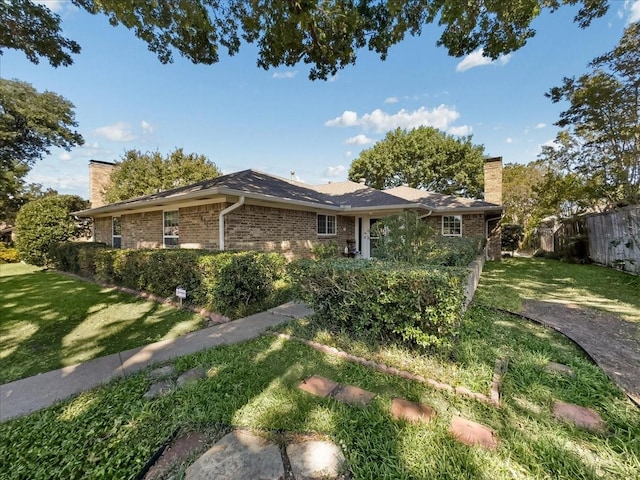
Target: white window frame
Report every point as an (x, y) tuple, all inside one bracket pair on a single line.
[(448, 234), (327, 224), (113, 232), (165, 236)]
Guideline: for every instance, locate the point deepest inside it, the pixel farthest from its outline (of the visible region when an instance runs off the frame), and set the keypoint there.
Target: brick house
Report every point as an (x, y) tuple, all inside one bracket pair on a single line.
[(255, 210)]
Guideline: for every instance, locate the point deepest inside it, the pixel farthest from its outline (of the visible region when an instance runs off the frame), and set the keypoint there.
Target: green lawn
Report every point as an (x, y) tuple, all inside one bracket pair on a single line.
[(49, 320), (110, 432)]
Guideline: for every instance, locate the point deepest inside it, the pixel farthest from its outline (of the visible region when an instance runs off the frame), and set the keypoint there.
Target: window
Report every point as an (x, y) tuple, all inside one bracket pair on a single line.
[(116, 233), (170, 232), (326, 224), (452, 225)]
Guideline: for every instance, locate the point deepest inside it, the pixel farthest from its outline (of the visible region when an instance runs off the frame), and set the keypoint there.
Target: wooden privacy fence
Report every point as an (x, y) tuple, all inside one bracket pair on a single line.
[(614, 238), (610, 238)]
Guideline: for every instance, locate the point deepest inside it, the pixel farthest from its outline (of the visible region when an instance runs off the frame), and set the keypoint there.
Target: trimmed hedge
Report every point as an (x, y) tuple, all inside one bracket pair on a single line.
[(421, 305), (230, 283), (453, 251)]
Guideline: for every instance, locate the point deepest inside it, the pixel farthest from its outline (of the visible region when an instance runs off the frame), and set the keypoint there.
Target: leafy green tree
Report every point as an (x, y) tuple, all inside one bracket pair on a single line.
[(518, 191), (424, 158), (30, 124), (600, 147), (46, 221), (140, 174), (512, 235), (16, 192), (326, 35)]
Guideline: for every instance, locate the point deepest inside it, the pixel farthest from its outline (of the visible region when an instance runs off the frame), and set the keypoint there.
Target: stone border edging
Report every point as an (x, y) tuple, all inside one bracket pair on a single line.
[(473, 277), (493, 399)]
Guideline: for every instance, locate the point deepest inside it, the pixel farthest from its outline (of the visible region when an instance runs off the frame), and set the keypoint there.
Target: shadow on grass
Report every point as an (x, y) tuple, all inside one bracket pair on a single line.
[(505, 284), (112, 431), (50, 321)]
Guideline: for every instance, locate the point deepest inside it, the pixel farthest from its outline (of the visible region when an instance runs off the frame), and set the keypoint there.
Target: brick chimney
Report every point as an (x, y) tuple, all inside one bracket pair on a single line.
[(99, 179), (493, 180)]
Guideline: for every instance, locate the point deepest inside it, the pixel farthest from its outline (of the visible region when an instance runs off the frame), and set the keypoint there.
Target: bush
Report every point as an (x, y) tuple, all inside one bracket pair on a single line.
[(8, 254), (420, 305), (322, 251), (453, 251), (512, 236), (42, 223), (74, 257)]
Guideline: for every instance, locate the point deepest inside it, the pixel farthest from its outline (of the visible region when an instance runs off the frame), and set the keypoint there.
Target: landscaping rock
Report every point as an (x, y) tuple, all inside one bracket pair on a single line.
[(411, 411), (191, 376), (353, 395), (161, 373), (472, 433), (315, 460), (554, 367), (177, 453), (159, 389), (581, 417), (238, 456), (317, 385)]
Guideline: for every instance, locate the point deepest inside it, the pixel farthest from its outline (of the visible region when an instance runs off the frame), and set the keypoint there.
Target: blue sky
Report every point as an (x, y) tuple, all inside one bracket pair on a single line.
[(279, 121)]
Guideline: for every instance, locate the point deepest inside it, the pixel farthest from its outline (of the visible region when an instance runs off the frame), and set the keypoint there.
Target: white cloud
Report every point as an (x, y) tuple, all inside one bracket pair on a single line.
[(359, 140), (348, 154), (285, 74), (477, 59), (541, 125), (462, 130), (509, 140), (335, 171), (118, 132), (65, 156), (146, 127), (332, 78), (379, 121), (53, 5), (632, 9), (391, 100), (63, 183), (552, 144)]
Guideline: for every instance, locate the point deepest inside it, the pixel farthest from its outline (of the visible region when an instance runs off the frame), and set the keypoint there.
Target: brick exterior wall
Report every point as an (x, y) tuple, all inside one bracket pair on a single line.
[(199, 226), (290, 232), (472, 224), (99, 180), (102, 230), (250, 227), (493, 180)]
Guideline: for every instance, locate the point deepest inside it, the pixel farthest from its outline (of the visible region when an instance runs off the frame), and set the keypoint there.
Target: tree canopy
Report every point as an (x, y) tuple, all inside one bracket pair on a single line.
[(45, 221), (31, 123), (139, 174), (423, 158), (326, 35), (600, 146)]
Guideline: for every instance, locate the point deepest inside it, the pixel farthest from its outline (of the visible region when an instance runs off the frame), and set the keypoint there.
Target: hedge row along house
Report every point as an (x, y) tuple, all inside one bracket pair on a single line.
[(251, 210)]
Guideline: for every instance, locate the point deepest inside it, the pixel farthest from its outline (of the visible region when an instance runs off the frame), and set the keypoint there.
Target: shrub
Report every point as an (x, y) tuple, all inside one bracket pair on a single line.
[(322, 251), (44, 222), (74, 257), (421, 305), (453, 251), (8, 254), (512, 236), (231, 282)]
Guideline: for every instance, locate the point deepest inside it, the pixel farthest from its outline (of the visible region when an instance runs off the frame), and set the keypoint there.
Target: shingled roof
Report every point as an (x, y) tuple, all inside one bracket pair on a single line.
[(440, 202)]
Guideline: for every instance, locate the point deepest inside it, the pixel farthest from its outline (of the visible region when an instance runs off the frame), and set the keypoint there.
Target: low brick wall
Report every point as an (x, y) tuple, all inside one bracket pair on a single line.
[(475, 270)]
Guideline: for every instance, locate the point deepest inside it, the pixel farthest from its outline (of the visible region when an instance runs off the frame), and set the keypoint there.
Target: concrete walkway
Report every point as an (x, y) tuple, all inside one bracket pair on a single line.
[(40, 391)]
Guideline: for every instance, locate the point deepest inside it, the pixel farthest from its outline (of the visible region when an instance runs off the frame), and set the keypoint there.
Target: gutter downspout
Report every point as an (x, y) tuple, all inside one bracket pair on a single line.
[(229, 209)]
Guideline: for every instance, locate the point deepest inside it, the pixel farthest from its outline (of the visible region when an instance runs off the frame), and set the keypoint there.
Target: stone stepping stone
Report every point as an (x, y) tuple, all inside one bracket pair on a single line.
[(315, 460), (553, 367), (324, 387), (472, 433), (238, 456), (159, 389), (411, 411), (191, 376), (178, 452), (581, 417), (318, 386), (162, 373)]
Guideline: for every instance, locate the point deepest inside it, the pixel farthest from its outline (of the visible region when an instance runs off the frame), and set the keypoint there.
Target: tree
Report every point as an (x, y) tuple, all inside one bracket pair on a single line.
[(326, 35), (600, 147), (46, 221), (423, 158), (140, 174), (30, 124), (518, 191)]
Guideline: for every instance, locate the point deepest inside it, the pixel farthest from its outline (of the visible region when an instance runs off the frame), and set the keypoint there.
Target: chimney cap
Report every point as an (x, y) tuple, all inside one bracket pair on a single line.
[(102, 162), (492, 159)]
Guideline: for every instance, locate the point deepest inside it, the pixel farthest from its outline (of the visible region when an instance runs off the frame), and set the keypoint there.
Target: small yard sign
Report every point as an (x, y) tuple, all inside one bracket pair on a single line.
[(181, 293)]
